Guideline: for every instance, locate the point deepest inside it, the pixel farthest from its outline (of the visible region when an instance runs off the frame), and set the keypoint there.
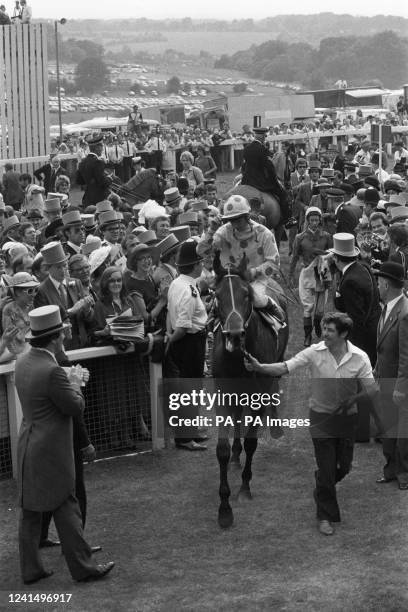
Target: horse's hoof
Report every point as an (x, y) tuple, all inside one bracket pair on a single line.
[(245, 493), (225, 518)]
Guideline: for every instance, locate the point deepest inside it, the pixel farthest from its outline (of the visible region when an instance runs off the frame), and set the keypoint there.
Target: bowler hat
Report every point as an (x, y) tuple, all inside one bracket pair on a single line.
[(392, 270), (45, 321), (181, 232), (187, 255), (343, 244), (53, 253)]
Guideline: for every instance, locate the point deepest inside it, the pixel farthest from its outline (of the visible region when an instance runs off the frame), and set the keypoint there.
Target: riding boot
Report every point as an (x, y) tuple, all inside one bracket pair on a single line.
[(308, 327), (317, 326)]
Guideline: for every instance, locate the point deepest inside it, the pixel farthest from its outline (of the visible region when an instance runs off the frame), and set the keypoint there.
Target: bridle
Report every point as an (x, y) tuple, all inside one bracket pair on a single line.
[(234, 312)]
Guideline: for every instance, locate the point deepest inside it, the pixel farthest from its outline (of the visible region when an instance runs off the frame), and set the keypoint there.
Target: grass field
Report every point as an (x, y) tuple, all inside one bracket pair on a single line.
[(156, 516)]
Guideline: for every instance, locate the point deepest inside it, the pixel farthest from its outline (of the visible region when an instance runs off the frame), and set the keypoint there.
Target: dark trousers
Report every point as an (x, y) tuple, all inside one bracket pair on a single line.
[(188, 355), (334, 456), (80, 494), (127, 169), (395, 439), (68, 521)]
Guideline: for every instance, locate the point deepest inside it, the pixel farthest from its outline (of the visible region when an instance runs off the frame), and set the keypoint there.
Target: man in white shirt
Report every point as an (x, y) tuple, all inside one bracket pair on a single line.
[(400, 152), (337, 367), (26, 12)]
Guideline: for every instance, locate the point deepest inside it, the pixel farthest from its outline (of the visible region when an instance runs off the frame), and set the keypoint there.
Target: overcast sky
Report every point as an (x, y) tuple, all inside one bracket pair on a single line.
[(227, 9)]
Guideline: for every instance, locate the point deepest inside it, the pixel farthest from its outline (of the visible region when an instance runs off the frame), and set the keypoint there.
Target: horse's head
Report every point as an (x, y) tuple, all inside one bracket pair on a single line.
[(234, 303)]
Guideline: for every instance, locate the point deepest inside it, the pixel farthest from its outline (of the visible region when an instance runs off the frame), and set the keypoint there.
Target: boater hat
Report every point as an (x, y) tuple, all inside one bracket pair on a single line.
[(343, 244), (45, 321)]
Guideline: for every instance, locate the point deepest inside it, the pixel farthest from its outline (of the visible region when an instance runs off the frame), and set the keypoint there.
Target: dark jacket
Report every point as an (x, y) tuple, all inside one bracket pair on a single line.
[(348, 217), (91, 173), (392, 350), (47, 174), (13, 195), (359, 298)]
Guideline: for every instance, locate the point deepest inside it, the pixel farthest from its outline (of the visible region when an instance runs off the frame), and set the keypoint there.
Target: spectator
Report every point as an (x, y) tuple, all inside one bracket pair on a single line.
[(15, 311)]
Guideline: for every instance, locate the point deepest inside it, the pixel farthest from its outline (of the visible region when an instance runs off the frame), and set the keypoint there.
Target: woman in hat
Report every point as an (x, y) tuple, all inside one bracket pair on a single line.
[(63, 186), (149, 299), (15, 312)]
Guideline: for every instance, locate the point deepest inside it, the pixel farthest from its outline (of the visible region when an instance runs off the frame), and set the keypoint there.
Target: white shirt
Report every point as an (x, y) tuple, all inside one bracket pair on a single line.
[(390, 306), (185, 306), (26, 14), (115, 153), (333, 382), (398, 155)]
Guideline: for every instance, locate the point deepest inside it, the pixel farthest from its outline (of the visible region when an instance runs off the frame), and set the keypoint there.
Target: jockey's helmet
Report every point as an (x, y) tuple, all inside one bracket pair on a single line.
[(236, 206), (313, 210)]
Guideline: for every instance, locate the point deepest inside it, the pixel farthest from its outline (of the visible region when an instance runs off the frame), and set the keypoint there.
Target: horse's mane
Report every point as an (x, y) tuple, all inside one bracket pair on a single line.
[(240, 271)]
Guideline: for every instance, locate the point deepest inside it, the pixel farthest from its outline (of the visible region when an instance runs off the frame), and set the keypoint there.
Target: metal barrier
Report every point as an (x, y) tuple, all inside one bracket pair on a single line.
[(123, 389)]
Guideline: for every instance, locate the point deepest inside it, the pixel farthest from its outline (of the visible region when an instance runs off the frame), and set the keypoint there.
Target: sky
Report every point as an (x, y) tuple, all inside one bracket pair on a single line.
[(227, 9)]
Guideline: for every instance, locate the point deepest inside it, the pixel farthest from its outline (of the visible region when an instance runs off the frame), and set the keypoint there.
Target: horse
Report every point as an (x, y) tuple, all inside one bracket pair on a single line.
[(144, 186), (270, 205), (239, 328)]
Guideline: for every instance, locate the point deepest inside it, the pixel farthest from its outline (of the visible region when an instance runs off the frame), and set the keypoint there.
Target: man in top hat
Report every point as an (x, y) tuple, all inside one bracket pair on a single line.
[(189, 218), (109, 225), (46, 472), (308, 246), (67, 293), (259, 172), (91, 173), (186, 335), (49, 173), (52, 212), (11, 230), (392, 372), (74, 232), (338, 370), (357, 295)]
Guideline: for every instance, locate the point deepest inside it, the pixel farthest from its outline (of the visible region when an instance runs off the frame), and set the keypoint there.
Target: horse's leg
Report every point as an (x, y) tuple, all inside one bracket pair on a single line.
[(250, 445), (236, 445), (225, 516)]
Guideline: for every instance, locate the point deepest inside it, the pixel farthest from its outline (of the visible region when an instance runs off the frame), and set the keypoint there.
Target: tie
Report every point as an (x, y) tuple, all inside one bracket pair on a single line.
[(116, 149), (63, 294), (382, 318)]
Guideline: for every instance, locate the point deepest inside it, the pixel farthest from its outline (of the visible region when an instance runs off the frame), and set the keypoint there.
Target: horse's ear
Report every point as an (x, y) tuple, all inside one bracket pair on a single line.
[(218, 269)]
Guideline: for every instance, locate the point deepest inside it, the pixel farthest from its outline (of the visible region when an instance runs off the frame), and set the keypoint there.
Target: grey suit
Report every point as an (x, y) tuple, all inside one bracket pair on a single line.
[(46, 472), (392, 371)]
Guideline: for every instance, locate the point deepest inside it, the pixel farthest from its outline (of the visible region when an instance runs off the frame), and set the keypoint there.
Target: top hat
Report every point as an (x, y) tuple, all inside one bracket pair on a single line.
[(199, 205), (259, 130), (109, 217), (343, 244), (398, 214), (365, 170), (172, 195), (188, 218), (44, 321), (10, 222), (103, 206), (94, 139), (392, 270), (328, 173), (73, 217), (148, 237), (63, 197), (53, 253), (187, 255), (52, 205), (314, 164), (89, 222), (181, 232), (168, 244)]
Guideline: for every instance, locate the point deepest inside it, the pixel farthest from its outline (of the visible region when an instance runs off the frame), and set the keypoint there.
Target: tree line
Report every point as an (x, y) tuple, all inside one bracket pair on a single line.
[(357, 59)]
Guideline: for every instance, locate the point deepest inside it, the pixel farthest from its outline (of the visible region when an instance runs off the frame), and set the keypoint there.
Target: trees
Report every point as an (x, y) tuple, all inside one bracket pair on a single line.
[(91, 75), (173, 85)]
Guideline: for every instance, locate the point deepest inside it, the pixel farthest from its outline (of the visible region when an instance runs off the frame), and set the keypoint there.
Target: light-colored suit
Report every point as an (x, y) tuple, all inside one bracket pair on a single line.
[(392, 371)]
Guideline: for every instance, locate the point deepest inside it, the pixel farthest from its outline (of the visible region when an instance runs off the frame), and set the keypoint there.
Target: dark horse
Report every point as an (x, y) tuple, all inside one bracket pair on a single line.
[(240, 328), (144, 186)]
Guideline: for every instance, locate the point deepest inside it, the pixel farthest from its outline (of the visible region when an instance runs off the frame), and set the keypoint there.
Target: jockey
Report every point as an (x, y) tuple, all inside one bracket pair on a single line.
[(259, 172), (309, 246), (241, 236)]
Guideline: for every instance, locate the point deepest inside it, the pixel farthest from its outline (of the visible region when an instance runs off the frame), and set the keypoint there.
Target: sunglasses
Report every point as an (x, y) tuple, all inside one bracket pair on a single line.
[(29, 290)]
